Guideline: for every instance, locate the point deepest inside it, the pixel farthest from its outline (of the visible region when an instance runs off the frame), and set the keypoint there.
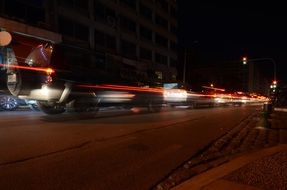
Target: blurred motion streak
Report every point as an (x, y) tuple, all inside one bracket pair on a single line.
[(175, 95), (48, 71), (113, 96), (122, 87)]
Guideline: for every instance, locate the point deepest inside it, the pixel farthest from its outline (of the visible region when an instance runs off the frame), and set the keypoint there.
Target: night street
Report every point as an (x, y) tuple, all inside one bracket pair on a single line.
[(143, 95), (113, 150)]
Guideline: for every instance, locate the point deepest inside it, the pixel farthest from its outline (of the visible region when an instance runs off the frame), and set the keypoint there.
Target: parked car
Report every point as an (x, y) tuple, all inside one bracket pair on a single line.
[(9, 102)]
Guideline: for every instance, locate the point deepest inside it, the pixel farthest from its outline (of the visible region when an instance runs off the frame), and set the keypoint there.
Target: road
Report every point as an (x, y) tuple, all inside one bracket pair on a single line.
[(107, 152)]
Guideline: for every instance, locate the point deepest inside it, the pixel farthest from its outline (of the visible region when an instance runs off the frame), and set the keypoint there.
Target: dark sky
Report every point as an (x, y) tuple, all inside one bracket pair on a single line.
[(229, 31)]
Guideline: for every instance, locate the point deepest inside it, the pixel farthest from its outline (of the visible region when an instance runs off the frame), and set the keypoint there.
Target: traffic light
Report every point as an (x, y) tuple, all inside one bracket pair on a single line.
[(274, 84), (244, 60)]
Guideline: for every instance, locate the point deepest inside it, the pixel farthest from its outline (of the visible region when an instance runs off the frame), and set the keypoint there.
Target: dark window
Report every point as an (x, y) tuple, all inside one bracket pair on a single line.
[(99, 39), (161, 59), (25, 11), (160, 40), (104, 40), (162, 4), (35, 15), (66, 27), (173, 29), (145, 12), (128, 49), (150, 1), (81, 32), (127, 24), (110, 13), (145, 33), (173, 62), (103, 12), (145, 54), (173, 45), (84, 4), (72, 29), (79, 6), (110, 42), (33, 2), (65, 2), (100, 61), (75, 4), (173, 12), (161, 21), (99, 10), (15, 9), (130, 3)]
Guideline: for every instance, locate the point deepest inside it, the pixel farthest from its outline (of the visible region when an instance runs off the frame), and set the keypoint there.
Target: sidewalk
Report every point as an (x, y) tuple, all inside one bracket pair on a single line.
[(262, 169)]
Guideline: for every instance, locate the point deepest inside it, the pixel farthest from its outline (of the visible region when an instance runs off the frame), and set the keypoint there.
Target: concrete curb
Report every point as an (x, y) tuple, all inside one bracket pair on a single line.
[(206, 178), (280, 109)]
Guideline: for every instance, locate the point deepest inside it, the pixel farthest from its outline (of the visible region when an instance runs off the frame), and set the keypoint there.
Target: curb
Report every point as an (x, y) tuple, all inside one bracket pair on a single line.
[(212, 155), (280, 109)]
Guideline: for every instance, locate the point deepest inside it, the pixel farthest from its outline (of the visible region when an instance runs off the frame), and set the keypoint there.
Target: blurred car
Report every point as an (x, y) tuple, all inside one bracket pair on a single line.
[(50, 76), (200, 99)]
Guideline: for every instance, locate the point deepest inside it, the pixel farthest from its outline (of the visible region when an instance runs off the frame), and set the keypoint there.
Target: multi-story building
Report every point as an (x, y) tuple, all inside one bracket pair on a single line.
[(139, 36)]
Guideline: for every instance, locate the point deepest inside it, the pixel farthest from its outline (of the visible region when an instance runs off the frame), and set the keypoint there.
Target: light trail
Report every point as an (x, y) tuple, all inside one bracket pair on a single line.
[(48, 71), (123, 87)]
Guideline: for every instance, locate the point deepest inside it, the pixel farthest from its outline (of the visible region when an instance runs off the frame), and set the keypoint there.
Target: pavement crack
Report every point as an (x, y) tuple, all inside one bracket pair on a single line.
[(78, 146)]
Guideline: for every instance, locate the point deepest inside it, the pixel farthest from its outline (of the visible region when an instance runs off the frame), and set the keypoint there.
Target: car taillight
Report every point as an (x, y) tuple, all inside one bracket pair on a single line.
[(50, 72), (49, 80)]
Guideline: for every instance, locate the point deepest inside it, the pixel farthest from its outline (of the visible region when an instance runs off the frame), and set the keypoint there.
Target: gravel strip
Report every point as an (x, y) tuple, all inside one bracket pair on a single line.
[(268, 173)]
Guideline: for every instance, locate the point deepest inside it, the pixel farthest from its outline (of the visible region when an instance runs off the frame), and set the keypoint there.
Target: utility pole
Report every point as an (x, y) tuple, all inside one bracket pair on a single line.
[(184, 67)]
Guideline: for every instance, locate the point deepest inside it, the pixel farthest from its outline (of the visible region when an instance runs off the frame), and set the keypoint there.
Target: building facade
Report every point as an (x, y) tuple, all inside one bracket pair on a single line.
[(139, 36)]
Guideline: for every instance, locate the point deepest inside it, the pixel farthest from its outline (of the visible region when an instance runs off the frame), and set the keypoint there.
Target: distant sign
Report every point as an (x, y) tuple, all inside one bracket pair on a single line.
[(170, 85), (5, 38)]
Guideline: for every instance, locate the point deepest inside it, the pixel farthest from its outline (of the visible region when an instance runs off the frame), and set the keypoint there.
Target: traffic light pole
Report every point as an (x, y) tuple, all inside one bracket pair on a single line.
[(264, 59)]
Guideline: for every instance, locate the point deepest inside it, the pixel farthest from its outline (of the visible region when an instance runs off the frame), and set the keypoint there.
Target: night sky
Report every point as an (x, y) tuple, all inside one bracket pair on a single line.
[(229, 31)]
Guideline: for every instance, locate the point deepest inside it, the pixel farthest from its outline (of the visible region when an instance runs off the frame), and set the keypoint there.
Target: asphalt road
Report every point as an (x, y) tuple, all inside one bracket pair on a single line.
[(114, 151)]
